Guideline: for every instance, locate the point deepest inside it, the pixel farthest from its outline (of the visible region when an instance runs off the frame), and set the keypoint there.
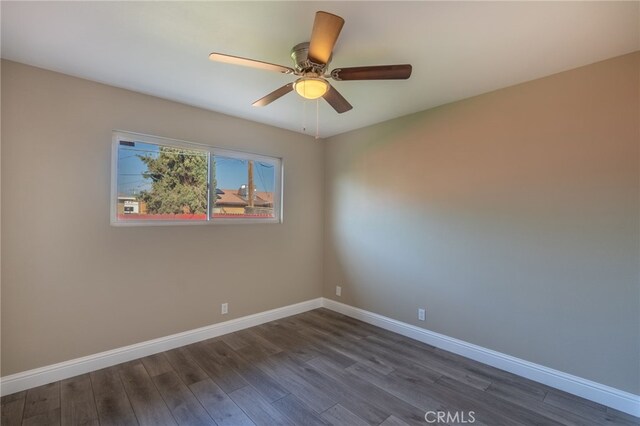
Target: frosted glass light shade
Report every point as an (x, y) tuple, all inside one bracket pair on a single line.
[(311, 88)]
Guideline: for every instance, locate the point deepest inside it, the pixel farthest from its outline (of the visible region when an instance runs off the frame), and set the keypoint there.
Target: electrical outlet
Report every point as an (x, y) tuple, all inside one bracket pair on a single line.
[(338, 290), (225, 308), (422, 314)]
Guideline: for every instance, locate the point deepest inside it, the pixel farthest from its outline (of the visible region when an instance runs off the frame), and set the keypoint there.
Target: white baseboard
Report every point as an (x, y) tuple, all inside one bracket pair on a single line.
[(593, 391), (606, 395), (51, 373)]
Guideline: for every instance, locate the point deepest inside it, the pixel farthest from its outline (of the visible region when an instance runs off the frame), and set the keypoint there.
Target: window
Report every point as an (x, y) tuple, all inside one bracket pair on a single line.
[(164, 181)]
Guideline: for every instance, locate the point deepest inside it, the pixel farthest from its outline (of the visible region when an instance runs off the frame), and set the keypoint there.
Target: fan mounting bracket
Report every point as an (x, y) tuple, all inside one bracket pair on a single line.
[(335, 74)]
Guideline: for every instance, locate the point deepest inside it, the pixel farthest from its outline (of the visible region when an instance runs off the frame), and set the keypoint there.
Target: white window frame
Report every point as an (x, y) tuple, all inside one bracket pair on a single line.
[(277, 162)]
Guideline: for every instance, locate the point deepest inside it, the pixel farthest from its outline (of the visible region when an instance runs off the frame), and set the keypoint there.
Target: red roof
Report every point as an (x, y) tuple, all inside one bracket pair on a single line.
[(232, 198)]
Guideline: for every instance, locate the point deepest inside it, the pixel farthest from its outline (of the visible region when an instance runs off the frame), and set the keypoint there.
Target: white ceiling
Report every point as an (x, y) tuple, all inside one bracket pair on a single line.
[(458, 49)]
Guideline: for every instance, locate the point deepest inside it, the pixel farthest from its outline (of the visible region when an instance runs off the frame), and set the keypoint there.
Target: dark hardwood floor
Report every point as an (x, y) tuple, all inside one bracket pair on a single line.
[(316, 368)]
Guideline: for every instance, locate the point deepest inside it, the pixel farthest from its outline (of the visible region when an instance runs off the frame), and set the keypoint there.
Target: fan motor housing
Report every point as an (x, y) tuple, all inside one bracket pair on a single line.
[(302, 64)]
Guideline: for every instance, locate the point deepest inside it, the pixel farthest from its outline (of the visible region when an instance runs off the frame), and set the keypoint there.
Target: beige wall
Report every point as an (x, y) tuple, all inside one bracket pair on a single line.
[(72, 285), (513, 217)]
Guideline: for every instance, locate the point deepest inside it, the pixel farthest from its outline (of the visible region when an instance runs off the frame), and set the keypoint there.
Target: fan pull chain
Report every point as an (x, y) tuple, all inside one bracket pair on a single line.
[(318, 118), (304, 116)]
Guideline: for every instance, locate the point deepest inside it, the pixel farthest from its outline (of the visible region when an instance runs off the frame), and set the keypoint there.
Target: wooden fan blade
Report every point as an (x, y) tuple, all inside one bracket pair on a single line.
[(378, 72), (276, 94), (335, 99), (326, 29), (236, 60)]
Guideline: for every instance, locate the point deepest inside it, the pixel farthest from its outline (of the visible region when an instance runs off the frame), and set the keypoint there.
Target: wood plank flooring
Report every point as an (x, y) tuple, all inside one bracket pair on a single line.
[(316, 368)]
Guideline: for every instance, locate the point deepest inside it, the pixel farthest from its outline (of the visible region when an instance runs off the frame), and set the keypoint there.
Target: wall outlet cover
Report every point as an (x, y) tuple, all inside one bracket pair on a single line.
[(225, 308), (422, 314), (338, 290)]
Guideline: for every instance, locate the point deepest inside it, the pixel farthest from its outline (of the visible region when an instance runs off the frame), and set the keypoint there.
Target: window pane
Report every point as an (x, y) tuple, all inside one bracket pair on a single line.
[(161, 183), (234, 180)]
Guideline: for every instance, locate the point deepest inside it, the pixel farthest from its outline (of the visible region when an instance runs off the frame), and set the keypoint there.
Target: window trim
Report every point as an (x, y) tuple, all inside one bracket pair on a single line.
[(278, 163)]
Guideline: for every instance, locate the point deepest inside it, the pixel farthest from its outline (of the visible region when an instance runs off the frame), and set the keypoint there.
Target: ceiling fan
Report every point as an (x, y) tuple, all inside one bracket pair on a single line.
[(311, 61)]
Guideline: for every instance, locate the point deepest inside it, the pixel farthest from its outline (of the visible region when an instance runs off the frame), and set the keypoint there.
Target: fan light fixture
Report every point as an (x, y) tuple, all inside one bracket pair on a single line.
[(311, 61), (311, 88)]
